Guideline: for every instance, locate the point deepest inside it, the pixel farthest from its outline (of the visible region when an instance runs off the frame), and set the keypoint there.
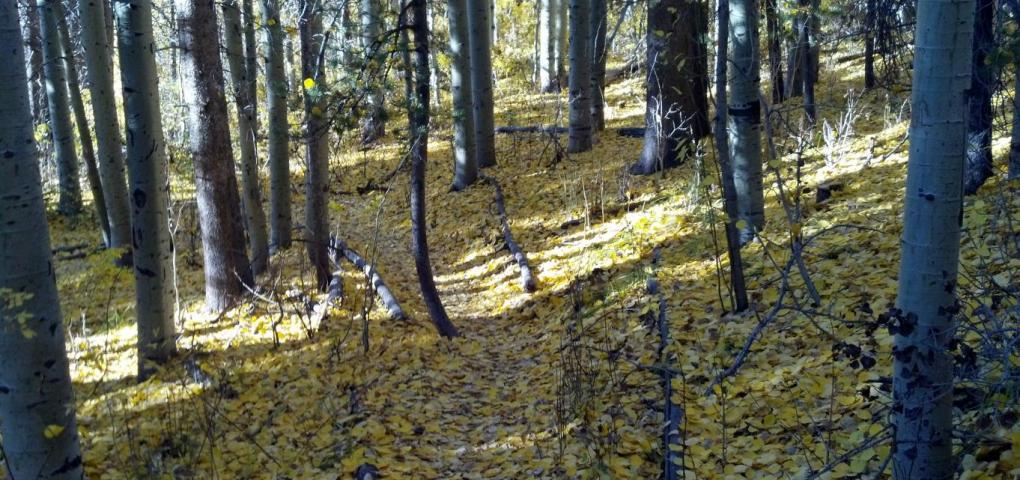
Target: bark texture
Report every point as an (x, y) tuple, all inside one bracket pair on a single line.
[(374, 124), (226, 265), (147, 182), (744, 115), (480, 26), (316, 134), (773, 26), (465, 159), (581, 138), (922, 411), (280, 216), (676, 111), (979, 102), (35, 382), (599, 54), (548, 14)]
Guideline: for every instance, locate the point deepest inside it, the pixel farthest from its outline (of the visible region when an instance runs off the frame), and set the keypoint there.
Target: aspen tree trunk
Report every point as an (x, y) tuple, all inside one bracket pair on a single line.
[(580, 138), (251, 63), (807, 69), (60, 111), (548, 14), (147, 182), (244, 101), (280, 217), (40, 434), (465, 159), (744, 114), (88, 151), (107, 120), (922, 410), (481, 81), (562, 37), (316, 134), (795, 60), (869, 44), (419, 158), (978, 167), (774, 29), (737, 288), (35, 63), (226, 264), (374, 125), (676, 111), (599, 23)]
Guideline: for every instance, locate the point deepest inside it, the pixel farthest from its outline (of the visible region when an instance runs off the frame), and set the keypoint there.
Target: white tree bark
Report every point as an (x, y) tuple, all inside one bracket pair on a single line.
[(280, 216), (481, 81), (580, 137), (744, 114), (465, 170), (39, 431), (374, 125), (930, 245), (147, 182), (548, 14)]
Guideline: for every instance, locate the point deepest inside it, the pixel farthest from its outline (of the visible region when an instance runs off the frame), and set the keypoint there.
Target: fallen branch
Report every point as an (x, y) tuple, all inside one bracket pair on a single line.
[(673, 414), (527, 279), (339, 248), (636, 132)]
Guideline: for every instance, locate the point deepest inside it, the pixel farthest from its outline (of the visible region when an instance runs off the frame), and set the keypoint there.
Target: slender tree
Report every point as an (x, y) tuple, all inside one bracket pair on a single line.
[(978, 167), (373, 125), (737, 288), (244, 101), (773, 27), (562, 38), (88, 150), (599, 54), (479, 24), (676, 108), (581, 135), (106, 119), (869, 44), (548, 44), (251, 62), (807, 57), (419, 158), (36, 77), (922, 410), (744, 115), (316, 134), (39, 429), (280, 217), (60, 110), (147, 182), (223, 248), (464, 155)]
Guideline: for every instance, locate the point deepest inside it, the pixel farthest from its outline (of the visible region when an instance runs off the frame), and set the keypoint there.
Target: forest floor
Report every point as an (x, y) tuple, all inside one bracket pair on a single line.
[(563, 382)]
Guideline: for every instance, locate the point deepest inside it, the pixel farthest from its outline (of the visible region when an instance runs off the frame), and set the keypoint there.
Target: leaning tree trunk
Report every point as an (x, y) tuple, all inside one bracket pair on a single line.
[(40, 434), (744, 114), (419, 157), (978, 167), (481, 81), (147, 182), (316, 130), (599, 54), (244, 101), (465, 160), (548, 13), (374, 125), (676, 109), (922, 409), (280, 219), (581, 137), (106, 120), (773, 26), (60, 110), (88, 150), (737, 288), (223, 248)]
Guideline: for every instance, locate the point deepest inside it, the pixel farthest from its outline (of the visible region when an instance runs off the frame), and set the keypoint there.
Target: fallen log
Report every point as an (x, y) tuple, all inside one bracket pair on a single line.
[(636, 132), (672, 440), (339, 248), (527, 279)]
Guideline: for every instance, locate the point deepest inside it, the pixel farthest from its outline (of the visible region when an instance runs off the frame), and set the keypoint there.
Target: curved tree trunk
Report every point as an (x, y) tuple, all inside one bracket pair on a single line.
[(737, 288), (280, 217), (481, 81), (147, 182), (244, 100), (922, 409), (599, 54), (744, 114), (107, 119), (676, 111), (374, 125), (581, 137), (88, 151), (465, 159), (316, 134), (978, 167), (419, 158), (60, 111), (35, 381), (223, 249)]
